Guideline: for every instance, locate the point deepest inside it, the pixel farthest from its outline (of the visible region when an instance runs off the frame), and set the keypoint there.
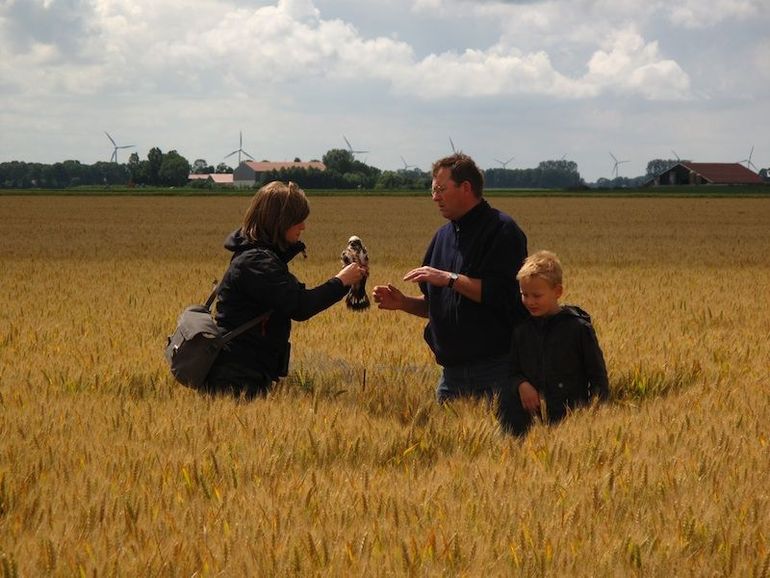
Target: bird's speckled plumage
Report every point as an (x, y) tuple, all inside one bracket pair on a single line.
[(355, 252)]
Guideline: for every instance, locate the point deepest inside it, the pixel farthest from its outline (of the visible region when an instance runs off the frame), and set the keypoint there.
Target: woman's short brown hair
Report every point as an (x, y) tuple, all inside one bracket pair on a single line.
[(274, 210)]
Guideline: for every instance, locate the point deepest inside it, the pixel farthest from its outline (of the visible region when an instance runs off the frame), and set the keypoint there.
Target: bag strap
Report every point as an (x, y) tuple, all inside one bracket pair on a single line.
[(214, 293), (230, 335)]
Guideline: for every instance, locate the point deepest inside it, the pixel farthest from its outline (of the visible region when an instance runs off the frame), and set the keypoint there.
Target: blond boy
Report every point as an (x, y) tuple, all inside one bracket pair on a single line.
[(555, 355)]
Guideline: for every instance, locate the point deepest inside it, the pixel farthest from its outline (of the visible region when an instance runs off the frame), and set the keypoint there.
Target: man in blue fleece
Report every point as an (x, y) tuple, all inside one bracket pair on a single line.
[(469, 292)]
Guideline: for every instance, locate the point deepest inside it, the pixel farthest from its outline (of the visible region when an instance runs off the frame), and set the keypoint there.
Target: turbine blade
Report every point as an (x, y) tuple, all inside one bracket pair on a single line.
[(109, 137)]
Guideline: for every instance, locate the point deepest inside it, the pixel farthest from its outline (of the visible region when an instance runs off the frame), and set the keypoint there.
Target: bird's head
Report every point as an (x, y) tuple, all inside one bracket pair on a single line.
[(354, 239)]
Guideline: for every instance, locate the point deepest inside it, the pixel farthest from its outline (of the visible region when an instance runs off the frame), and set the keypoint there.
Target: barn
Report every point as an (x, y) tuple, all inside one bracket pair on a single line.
[(687, 173), (248, 173), (220, 179)]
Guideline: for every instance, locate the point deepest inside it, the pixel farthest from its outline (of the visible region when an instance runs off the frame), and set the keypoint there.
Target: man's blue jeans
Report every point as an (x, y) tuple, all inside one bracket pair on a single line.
[(485, 378)]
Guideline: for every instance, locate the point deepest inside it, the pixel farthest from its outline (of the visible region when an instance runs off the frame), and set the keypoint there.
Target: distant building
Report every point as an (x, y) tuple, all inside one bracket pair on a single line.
[(686, 173), (220, 179), (249, 172)]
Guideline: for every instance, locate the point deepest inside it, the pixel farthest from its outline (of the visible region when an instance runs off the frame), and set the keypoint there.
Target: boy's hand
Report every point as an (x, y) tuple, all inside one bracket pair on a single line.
[(530, 398)]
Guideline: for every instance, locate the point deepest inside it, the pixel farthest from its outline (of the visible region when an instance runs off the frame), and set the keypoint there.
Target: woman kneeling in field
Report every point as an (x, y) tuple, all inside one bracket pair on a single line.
[(258, 280)]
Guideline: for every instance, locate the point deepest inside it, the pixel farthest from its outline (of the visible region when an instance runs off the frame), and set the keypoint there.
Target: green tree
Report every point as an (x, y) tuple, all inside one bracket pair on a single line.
[(339, 161), (138, 170), (391, 180), (201, 167), (658, 166), (174, 170), (154, 159)]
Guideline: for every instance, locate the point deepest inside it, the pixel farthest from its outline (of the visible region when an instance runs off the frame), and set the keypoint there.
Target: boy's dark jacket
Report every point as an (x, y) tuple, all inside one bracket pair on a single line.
[(258, 280), (560, 356)]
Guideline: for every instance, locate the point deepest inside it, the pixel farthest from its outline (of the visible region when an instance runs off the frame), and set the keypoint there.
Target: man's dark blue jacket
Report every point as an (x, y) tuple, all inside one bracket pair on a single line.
[(484, 244)]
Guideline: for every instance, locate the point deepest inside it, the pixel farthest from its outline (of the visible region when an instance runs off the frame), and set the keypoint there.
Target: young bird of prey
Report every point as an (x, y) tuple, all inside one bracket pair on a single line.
[(355, 252)]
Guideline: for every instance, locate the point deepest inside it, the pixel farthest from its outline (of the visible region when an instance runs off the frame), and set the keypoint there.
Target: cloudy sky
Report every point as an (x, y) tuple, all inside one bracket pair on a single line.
[(528, 79)]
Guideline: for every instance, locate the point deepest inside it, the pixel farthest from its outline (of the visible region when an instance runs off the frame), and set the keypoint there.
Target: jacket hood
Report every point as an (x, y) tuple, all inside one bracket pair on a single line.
[(565, 311), (576, 311), (237, 242)]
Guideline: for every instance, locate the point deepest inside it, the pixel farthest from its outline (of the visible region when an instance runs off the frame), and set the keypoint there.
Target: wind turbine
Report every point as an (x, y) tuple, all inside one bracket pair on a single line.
[(406, 165), (114, 157), (504, 163), (748, 162), (616, 165), (676, 155), (240, 149), (451, 144), (350, 147)]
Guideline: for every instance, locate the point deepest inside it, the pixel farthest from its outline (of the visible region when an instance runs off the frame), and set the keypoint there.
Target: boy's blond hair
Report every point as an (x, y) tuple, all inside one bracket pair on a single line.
[(543, 264)]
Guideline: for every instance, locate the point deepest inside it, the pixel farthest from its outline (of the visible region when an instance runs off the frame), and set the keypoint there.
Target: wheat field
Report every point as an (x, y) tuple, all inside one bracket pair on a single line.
[(349, 468)]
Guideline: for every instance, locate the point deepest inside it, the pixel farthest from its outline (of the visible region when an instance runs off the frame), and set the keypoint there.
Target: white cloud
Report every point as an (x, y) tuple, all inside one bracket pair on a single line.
[(760, 58), (301, 10), (705, 13), (427, 5), (628, 64), (485, 73), (290, 41), (402, 66)]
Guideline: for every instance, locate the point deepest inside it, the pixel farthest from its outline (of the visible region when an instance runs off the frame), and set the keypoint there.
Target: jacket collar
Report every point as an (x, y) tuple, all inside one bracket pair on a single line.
[(564, 312), (284, 255), (237, 242), (292, 251), (472, 217)]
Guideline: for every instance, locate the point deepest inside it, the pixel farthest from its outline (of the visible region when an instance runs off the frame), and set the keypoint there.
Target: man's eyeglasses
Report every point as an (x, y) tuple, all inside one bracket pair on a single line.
[(441, 189), (438, 190)]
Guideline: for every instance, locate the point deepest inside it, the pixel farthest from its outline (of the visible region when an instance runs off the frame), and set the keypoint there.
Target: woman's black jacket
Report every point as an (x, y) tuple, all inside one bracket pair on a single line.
[(258, 280)]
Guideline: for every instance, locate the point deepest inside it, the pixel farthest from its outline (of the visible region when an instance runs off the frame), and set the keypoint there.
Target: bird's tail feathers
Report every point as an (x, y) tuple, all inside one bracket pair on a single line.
[(357, 300)]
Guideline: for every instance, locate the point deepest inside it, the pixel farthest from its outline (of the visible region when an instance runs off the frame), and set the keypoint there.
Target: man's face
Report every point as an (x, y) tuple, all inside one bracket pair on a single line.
[(451, 197)]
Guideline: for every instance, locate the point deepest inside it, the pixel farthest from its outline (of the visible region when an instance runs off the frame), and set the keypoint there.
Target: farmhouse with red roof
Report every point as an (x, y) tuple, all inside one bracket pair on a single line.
[(221, 179), (248, 173), (687, 173)]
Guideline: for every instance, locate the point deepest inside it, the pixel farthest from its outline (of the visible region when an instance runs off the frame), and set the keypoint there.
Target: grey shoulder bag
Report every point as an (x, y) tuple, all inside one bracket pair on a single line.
[(193, 347)]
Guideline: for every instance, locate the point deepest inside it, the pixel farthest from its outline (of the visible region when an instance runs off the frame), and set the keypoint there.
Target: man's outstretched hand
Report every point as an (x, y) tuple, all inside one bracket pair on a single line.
[(388, 297)]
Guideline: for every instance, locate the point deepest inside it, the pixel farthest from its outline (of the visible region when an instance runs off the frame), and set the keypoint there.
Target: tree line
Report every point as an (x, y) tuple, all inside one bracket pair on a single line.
[(343, 171), (159, 169)]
